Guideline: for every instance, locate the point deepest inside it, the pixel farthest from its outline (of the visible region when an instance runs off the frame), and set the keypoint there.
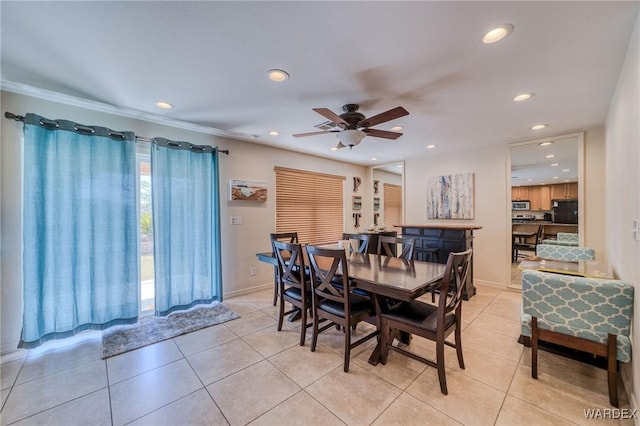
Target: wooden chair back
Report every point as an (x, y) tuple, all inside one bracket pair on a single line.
[(361, 239), (386, 244), (455, 276)]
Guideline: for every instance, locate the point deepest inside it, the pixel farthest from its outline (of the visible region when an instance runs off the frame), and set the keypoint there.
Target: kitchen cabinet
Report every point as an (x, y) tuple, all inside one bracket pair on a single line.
[(561, 191), (540, 197), (520, 193)]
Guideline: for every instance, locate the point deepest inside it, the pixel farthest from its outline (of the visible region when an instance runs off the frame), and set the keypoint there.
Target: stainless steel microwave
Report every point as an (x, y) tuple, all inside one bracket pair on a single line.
[(520, 205)]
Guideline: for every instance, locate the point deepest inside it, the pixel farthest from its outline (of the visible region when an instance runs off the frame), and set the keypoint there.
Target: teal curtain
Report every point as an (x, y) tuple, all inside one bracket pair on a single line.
[(80, 254), (186, 221)]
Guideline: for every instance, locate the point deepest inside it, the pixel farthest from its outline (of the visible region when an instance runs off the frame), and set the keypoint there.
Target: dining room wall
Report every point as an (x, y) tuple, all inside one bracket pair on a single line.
[(246, 161), (622, 133)]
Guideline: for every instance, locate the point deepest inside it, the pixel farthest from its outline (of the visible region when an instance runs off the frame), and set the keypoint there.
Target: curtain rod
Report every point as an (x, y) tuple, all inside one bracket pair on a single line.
[(12, 116)]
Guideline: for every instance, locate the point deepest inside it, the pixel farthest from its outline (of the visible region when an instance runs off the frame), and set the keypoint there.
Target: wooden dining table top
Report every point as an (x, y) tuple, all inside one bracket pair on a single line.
[(386, 275)]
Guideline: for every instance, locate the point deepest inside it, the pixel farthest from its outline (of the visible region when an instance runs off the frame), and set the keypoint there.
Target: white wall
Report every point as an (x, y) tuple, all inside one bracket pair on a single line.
[(491, 243), (623, 183), (239, 242)]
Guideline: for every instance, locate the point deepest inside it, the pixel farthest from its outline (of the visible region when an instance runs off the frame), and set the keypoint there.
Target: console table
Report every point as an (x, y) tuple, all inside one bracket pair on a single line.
[(446, 238)]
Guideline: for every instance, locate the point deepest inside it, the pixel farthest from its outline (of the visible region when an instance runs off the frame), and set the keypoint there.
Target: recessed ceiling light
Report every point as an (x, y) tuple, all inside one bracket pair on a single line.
[(396, 128), (497, 33), (567, 180), (556, 177), (555, 164), (164, 105), (335, 148), (539, 126), (549, 156), (274, 133), (374, 159), (545, 143), (529, 180), (565, 170), (523, 97), (431, 146), (277, 75)]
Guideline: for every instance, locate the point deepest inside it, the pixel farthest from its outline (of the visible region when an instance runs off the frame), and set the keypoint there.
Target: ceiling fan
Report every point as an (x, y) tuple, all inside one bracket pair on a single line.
[(354, 126)]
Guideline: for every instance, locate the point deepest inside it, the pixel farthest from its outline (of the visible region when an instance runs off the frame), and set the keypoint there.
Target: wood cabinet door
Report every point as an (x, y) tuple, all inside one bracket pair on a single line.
[(558, 191), (545, 197), (534, 197), (572, 190)]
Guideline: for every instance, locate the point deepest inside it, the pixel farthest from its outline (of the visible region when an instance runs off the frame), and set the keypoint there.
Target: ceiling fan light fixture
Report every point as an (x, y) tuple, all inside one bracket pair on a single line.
[(350, 137)]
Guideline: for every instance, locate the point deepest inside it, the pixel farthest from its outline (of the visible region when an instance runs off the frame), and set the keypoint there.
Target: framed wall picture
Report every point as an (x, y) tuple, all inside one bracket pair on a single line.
[(245, 190), (450, 197), (357, 202)]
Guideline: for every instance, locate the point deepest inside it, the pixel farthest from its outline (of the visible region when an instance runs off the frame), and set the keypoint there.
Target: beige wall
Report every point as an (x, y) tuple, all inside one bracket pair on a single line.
[(594, 199), (623, 186), (239, 242)]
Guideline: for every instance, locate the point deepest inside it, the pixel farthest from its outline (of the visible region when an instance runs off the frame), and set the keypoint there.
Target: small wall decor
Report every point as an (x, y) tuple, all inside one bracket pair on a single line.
[(356, 183), (376, 204), (244, 190), (450, 197), (375, 218), (356, 219), (357, 202), (376, 186)]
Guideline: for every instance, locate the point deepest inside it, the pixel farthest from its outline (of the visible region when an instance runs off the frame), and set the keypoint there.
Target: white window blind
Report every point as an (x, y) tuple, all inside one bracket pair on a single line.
[(311, 204), (392, 205)]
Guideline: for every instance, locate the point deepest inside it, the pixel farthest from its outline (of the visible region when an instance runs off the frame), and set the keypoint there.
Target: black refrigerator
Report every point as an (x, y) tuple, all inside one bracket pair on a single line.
[(565, 211)]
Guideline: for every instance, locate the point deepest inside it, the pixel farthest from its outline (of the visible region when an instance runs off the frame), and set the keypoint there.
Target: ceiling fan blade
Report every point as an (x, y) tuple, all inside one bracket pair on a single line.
[(382, 134), (300, 135), (340, 145), (383, 117), (327, 113)]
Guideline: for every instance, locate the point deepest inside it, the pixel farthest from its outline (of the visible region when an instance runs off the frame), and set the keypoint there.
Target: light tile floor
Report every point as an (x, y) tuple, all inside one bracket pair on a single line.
[(245, 372)]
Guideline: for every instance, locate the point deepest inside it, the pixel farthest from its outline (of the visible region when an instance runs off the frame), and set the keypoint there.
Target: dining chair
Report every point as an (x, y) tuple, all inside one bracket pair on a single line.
[(332, 298), (362, 241), (566, 253), (293, 283), (388, 246), (429, 321), (527, 245), (289, 237)]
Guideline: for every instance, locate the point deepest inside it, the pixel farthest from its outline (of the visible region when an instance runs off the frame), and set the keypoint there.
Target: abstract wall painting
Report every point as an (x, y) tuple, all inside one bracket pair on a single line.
[(450, 197)]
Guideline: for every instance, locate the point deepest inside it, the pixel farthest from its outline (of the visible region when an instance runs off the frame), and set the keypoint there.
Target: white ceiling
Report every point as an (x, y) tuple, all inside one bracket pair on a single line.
[(209, 59)]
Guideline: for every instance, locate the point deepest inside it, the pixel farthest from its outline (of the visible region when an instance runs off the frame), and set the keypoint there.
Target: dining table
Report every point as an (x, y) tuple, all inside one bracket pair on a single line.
[(384, 277), (583, 268)]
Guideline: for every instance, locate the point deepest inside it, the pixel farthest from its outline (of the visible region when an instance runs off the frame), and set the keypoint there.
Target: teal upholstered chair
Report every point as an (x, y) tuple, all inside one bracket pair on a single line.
[(568, 237), (586, 314), (571, 254)]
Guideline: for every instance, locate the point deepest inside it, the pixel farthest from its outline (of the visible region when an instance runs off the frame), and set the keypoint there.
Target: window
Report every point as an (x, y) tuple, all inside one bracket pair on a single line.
[(147, 284), (392, 205), (311, 204)]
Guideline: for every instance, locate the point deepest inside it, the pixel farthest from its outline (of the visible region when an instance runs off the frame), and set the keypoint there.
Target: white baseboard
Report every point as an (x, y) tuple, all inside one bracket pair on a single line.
[(490, 283), (236, 293), (626, 374)]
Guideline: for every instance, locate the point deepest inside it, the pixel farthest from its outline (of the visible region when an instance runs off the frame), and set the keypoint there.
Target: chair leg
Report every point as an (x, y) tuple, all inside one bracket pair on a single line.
[(281, 316), (612, 369), (314, 338), (347, 347), (534, 347), (303, 326), (275, 286), (440, 362), (458, 334)]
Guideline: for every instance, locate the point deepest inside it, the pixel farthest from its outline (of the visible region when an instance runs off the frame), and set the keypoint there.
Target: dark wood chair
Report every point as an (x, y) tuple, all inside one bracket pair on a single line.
[(527, 244), (293, 283), (429, 321), (287, 237), (362, 241), (387, 244), (333, 300)]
